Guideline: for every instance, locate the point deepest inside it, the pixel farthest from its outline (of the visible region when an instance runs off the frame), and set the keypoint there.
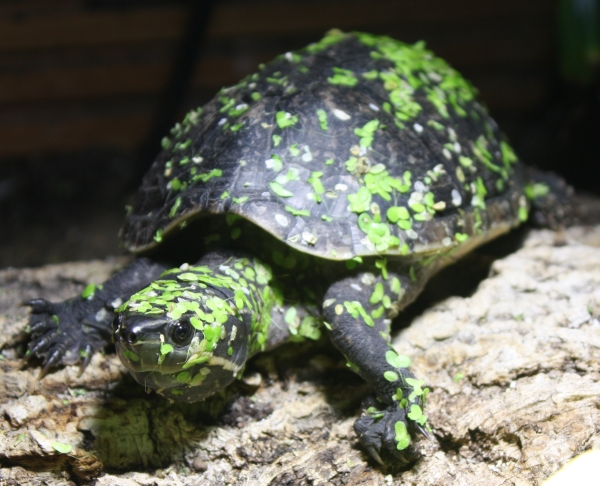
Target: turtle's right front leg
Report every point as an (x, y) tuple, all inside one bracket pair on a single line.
[(73, 330), (357, 310)]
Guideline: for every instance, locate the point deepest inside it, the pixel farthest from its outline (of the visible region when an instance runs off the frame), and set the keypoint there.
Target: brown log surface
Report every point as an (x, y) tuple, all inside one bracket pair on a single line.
[(513, 368)]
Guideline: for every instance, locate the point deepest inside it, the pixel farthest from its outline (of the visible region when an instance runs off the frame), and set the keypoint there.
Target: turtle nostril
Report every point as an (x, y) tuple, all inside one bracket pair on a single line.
[(132, 337)]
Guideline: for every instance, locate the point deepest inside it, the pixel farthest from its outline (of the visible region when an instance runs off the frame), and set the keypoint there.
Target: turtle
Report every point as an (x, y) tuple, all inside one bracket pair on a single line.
[(317, 195)]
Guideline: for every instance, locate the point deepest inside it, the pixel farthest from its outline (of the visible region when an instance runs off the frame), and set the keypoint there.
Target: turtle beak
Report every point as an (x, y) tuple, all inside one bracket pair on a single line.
[(138, 340)]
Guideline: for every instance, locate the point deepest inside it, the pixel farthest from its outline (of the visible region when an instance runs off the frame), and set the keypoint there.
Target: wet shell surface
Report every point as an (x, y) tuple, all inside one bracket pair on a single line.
[(356, 145)]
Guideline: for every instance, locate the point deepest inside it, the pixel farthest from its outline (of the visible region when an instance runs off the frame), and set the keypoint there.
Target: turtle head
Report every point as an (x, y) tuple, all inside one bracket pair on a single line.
[(186, 344)]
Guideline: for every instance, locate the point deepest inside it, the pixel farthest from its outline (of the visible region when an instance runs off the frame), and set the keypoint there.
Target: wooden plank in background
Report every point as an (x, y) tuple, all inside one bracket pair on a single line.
[(90, 27), (509, 93), (80, 83), (15, 8), (301, 17), (57, 65), (73, 131), (119, 73)]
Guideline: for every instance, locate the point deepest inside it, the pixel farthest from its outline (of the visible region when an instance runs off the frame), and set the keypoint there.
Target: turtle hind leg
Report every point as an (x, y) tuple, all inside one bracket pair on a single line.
[(553, 201)]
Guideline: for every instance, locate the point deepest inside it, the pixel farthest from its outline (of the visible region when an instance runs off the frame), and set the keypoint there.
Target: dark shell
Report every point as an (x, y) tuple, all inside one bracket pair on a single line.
[(357, 145)]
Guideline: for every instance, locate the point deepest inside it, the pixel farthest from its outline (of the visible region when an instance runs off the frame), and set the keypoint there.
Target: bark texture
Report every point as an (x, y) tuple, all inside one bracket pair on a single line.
[(513, 369)]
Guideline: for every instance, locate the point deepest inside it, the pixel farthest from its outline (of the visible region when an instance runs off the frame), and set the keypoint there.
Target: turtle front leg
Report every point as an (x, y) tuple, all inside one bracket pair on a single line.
[(72, 331), (357, 310)]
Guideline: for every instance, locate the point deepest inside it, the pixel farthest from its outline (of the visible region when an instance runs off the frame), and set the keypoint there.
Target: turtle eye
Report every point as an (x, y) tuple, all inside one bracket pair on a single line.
[(182, 332)]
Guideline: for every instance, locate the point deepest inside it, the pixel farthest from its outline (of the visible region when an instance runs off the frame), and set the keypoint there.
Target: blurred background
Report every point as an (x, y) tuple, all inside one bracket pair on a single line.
[(89, 87)]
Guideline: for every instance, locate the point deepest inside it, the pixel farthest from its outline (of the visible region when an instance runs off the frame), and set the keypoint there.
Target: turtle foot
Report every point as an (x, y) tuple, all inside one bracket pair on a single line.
[(387, 430), (61, 334)]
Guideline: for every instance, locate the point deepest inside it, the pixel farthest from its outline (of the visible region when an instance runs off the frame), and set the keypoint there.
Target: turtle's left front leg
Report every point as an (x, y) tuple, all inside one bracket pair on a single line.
[(72, 331), (357, 310)]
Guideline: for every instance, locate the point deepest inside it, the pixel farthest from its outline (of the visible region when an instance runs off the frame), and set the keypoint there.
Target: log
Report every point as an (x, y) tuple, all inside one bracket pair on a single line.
[(513, 368)]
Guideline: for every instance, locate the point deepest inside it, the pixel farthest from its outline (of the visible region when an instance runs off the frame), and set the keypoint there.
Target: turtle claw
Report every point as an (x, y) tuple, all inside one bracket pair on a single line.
[(87, 353), (428, 435), (41, 327), (52, 360), (39, 306), (378, 433), (38, 346), (374, 454)]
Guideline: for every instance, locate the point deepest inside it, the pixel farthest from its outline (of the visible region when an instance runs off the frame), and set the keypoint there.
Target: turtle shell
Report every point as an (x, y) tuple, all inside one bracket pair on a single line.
[(357, 145)]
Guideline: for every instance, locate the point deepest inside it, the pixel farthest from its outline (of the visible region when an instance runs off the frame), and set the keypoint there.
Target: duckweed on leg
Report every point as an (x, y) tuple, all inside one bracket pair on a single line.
[(358, 311)]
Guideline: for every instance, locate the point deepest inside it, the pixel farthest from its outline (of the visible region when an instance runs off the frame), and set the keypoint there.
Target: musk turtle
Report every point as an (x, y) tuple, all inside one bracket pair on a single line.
[(319, 194)]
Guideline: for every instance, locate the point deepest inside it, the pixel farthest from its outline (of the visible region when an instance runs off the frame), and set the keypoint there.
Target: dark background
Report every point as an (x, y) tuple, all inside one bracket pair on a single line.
[(88, 88)]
